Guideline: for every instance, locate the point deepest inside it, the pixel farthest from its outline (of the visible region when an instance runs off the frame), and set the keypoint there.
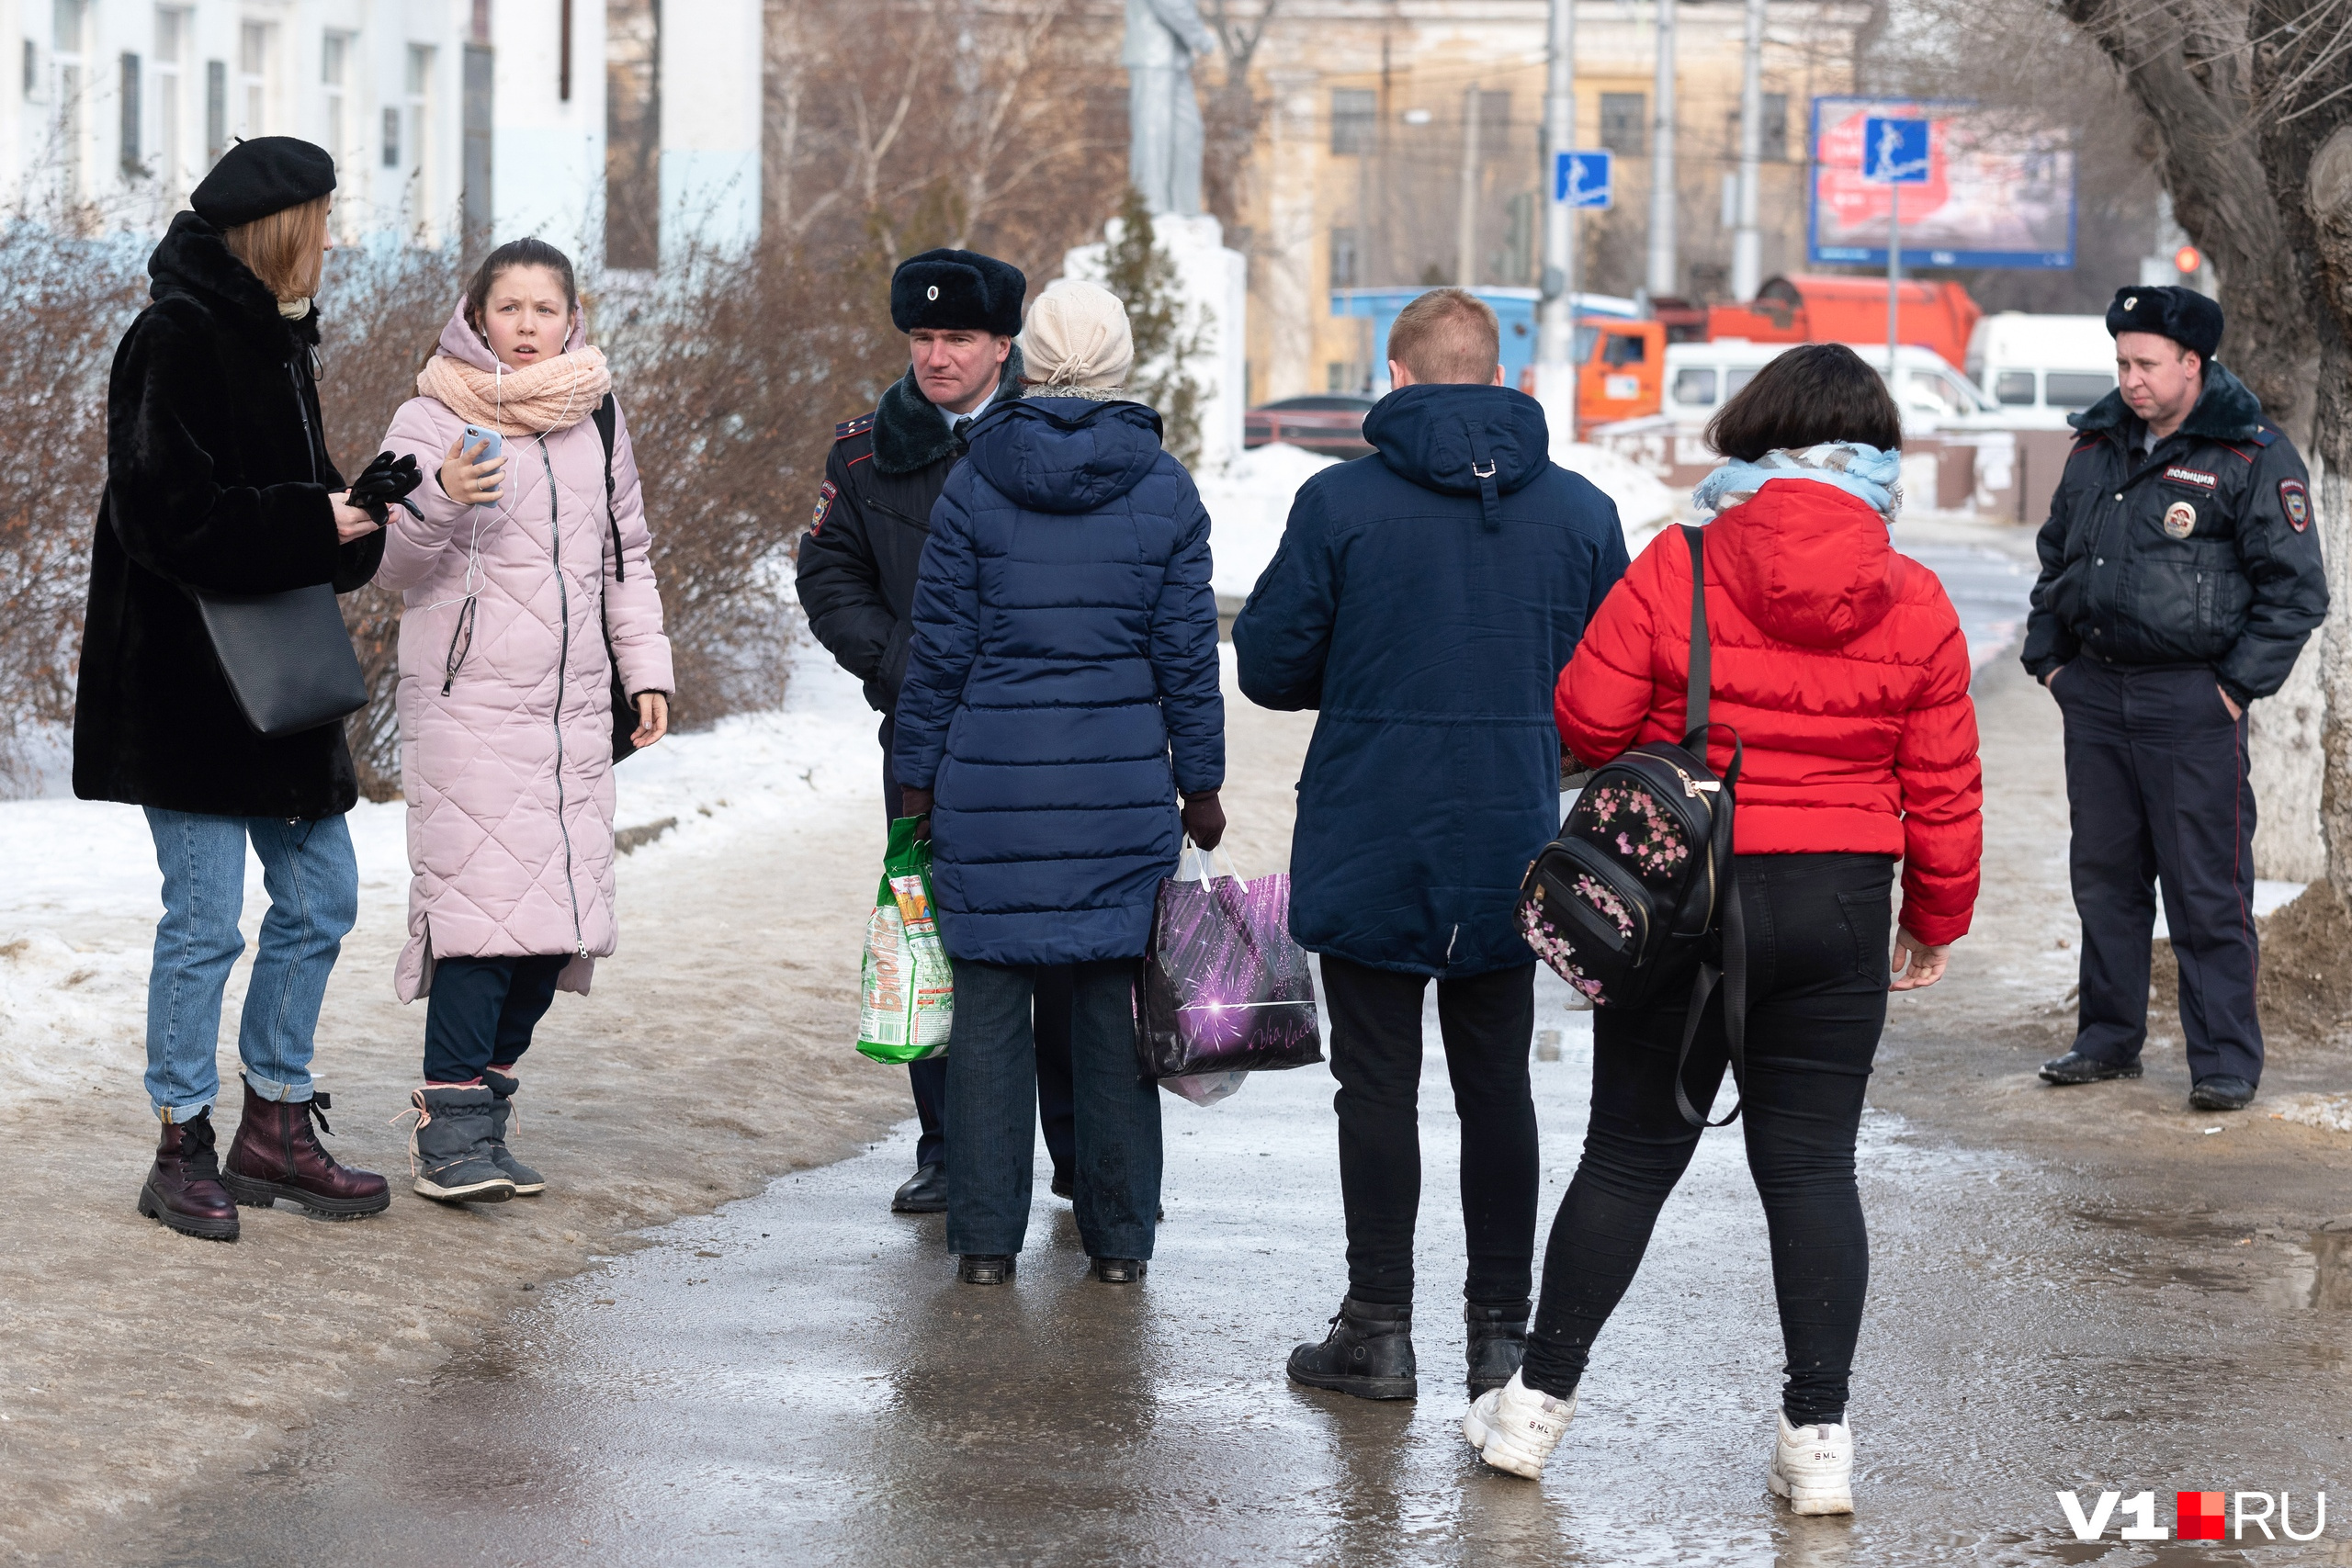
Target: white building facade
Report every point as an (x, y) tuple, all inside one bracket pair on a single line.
[(472, 120)]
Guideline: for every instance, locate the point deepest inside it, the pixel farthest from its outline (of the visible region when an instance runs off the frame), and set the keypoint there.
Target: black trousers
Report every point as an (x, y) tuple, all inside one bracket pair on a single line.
[(1056, 1116), (1488, 1022), (481, 1012), (2157, 786), (1819, 934)]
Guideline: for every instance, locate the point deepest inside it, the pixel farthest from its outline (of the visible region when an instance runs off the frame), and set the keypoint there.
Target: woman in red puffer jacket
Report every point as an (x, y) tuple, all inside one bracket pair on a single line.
[(1841, 666)]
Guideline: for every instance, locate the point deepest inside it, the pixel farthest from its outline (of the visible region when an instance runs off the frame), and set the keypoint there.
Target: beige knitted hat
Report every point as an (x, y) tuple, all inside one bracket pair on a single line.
[(1077, 336)]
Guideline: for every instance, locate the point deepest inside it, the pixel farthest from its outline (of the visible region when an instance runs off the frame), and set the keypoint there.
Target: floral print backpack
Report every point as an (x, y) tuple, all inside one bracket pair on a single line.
[(1636, 895)]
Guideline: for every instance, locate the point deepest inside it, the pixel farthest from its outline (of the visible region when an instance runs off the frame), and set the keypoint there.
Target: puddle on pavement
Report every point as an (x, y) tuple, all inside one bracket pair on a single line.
[(2305, 1271)]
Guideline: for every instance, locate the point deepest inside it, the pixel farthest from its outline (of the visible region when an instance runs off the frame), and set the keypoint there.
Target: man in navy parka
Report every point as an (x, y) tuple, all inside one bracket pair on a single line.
[(1060, 695), (1424, 601)]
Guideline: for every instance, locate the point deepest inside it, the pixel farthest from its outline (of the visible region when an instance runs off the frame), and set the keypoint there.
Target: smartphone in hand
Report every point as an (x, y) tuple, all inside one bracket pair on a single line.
[(476, 436)]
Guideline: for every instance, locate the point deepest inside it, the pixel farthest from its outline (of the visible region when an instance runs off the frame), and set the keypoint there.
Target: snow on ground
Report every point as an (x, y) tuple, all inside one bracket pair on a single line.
[(2328, 1113), (82, 894)]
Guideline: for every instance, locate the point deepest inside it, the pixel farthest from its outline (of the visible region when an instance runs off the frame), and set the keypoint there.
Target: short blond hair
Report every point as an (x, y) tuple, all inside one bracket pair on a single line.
[(1447, 335), (286, 249)]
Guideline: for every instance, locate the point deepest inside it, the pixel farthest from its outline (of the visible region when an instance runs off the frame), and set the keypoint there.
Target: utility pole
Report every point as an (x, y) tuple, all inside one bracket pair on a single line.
[(1466, 243), (1555, 317), (1894, 283), (1746, 245), (1663, 271)]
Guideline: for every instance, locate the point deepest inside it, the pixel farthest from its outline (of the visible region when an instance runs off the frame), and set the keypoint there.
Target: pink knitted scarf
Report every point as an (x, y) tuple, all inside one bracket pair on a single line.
[(554, 394)]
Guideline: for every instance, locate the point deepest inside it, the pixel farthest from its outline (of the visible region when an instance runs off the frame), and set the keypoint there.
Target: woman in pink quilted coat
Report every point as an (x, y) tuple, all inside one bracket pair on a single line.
[(527, 581)]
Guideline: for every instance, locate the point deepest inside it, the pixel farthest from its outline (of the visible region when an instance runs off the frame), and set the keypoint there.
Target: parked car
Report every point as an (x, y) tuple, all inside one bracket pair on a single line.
[(1331, 423)]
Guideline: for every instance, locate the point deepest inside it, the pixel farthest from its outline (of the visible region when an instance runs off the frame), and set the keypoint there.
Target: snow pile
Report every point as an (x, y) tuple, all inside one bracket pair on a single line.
[(2328, 1113), (1248, 504), (1644, 504)]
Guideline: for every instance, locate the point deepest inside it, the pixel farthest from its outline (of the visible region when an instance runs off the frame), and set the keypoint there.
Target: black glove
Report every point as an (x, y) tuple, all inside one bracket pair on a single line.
[(916, 803), (385, 482), (1204, 819)]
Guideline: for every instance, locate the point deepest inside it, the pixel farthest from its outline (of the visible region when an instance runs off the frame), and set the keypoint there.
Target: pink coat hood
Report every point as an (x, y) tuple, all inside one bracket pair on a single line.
[(505, 685)]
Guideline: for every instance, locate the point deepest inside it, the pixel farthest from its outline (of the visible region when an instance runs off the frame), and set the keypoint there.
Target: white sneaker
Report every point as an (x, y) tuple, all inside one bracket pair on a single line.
[(1813, 1466), (1515, 1428)]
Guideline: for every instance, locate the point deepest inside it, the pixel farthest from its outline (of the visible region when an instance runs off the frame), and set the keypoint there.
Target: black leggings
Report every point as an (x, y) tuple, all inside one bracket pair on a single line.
[(1486, 1021), (1818, 940)]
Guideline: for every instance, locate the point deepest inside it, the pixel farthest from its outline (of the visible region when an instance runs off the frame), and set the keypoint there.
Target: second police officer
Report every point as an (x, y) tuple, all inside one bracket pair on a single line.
[(857, 568), (2180, 577)]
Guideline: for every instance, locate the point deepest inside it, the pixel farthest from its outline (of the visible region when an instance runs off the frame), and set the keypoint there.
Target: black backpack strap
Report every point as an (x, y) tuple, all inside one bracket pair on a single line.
[(607, 416)]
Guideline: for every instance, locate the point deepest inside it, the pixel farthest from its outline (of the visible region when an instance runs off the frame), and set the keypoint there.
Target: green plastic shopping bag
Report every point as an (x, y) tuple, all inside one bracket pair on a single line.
[(910, 992)]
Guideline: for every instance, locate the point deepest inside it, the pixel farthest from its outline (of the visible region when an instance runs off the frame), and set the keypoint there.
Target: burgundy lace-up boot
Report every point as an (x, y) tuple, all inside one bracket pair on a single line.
[(184, 1188), (277, 1154)]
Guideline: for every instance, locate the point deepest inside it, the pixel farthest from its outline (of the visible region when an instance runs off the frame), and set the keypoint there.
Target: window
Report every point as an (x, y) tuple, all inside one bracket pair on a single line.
[(1494, 123), (1624, 123), (32, 70), (1344, 262), (392, 139), (171, 47), (68, 20), (216, 110), (1355, 116), (335, 50), (256, 61), (1624, 348), (2014, 389), (133, 165), (1696, 387), (2076, 389), (1775, 128), (1735, 379), (416, 112)]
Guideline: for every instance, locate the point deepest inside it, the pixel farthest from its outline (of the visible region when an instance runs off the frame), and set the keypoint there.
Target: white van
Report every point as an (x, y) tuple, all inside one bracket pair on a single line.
[(2038, 369), (1702, 376)]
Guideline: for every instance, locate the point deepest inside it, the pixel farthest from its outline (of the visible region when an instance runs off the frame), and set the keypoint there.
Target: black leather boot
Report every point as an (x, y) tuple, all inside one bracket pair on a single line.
[(1368, 1353), (1497, 1342)]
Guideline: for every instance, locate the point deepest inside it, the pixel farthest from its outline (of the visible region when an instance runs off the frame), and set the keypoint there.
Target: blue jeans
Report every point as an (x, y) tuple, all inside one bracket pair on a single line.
[(482, 1013), (313, 883), (992, 1122)]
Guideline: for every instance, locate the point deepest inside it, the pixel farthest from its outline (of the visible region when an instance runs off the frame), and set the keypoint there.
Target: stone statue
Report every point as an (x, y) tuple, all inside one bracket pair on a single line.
[(1163, 116)]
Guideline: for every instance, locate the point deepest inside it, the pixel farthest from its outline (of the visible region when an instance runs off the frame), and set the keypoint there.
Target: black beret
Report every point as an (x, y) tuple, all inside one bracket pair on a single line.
[(958, 291), (267, 174), (2183, 315)]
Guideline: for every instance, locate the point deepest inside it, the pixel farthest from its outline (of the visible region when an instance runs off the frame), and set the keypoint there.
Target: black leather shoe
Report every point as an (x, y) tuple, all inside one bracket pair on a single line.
[(1061, 1184), (924, 1192), (1368, 1353), (975, 1270), (2222, 1093), (1498, 1343), (2075, 1068), (1119, 1271)]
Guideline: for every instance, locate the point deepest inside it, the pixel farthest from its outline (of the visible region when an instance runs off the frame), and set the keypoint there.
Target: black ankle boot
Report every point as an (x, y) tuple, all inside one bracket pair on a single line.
[(1497, 1342), (1368, 1353)]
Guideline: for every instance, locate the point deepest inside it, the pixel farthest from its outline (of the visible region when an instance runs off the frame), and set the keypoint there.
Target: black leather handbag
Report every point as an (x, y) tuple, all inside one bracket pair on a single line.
[(288, 659)]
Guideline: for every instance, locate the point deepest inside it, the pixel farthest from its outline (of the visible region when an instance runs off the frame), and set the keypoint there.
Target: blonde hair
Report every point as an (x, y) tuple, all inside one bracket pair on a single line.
[(1447, 335), (286, 249)]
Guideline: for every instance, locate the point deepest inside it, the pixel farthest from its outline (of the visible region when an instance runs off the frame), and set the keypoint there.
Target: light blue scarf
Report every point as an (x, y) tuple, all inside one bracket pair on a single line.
[(1863, 472)]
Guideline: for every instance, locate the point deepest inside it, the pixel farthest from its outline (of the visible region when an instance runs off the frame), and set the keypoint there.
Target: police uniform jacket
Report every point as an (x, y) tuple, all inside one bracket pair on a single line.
[(2200, 553), (859, 559)]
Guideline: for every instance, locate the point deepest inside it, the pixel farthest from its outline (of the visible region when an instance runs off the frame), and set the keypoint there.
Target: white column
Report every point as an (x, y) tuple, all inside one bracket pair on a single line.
[(711, 56), (1555, 316), (1662, 269), (546, 150), (1747, 244)]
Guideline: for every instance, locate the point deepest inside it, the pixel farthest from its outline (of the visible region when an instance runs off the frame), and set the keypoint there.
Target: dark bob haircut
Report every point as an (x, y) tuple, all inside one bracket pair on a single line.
[(1813, 393)]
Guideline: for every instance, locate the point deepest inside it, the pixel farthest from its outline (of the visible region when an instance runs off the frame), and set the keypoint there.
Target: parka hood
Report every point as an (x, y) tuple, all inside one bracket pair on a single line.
[(1461, 440), (1064, 455), (1806, 562), (460, 342), (193, 260)]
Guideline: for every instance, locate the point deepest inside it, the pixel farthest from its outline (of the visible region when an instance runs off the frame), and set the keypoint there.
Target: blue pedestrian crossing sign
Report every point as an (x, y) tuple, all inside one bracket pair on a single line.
[(1894, 152), (1584, 179)]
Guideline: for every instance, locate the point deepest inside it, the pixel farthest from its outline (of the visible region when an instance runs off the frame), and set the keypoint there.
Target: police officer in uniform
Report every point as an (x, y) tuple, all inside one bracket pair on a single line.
[(858, 562), (2180, 577)]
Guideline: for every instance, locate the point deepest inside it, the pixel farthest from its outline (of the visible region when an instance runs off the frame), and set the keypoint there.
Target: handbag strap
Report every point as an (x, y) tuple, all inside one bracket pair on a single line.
[(1694, 706), (608, 417), (1733, 974)]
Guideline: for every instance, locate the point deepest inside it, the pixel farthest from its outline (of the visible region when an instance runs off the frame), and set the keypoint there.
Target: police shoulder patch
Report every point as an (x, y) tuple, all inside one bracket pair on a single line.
[(825, 495), (2296, 503), (849, 427)]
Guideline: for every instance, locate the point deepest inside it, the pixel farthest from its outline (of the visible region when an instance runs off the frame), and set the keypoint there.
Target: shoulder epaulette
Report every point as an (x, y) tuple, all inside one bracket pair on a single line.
[(2264, 435), (849, 427)]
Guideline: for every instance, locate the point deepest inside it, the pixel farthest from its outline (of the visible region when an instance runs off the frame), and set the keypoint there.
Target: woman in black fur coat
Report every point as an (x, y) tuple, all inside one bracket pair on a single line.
[(218, 479)]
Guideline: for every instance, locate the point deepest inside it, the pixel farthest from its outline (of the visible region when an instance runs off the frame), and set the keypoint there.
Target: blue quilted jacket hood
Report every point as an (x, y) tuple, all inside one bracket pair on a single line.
[(1446, 437), (1065, 453)]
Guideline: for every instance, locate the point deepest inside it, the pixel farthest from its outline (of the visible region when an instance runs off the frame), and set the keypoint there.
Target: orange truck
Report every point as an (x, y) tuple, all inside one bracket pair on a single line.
[(1811, 308)]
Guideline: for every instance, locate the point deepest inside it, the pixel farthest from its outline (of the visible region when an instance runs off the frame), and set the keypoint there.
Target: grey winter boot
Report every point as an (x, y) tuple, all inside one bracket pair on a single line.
[(528, 1183), (450, 1147)]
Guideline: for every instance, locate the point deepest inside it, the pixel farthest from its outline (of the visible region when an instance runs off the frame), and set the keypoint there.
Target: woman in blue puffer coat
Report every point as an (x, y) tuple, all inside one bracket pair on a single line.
[(1060, 697)]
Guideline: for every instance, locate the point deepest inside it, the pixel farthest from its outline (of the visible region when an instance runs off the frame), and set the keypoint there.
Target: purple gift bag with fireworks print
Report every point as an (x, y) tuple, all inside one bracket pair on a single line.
[(1225, 989)]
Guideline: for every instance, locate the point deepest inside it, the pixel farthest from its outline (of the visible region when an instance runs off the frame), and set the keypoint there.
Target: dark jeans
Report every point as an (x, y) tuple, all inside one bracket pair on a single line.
[(1819, 933), (1487, 1021), (482, 1012), (991, 1137), (1050, 1025), (2156, 786)]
